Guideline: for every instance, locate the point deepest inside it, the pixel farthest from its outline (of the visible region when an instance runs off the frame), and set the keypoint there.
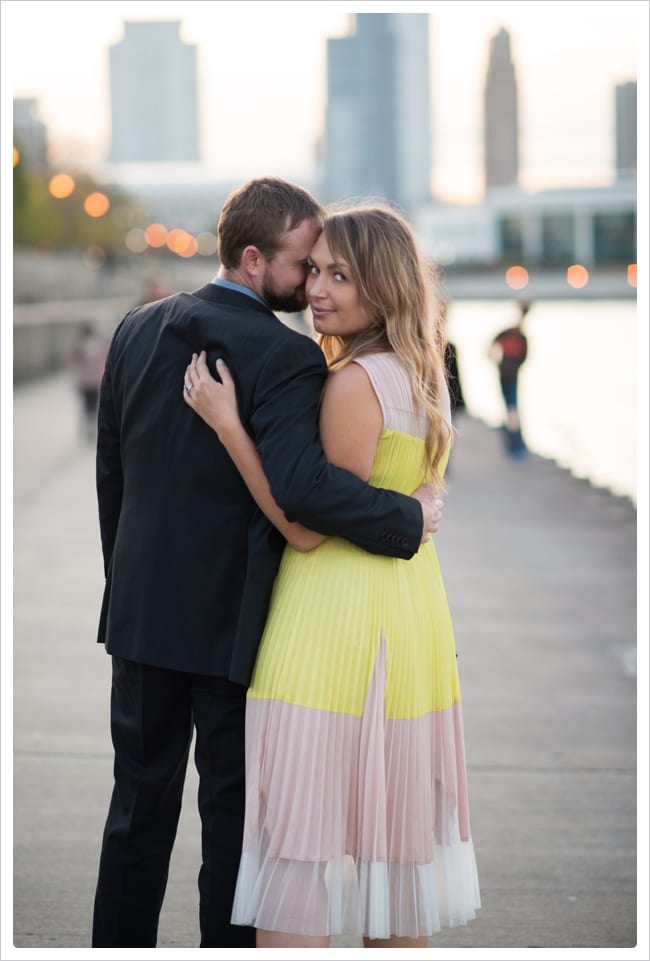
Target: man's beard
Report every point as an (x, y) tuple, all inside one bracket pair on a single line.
[(289, 303)]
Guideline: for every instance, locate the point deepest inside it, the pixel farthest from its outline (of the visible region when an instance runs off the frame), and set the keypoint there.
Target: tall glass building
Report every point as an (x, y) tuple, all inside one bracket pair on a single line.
[(154, 95), (378, 115)]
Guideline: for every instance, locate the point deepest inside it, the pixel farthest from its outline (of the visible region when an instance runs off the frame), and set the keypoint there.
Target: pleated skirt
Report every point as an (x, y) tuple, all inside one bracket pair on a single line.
[(357, 814)]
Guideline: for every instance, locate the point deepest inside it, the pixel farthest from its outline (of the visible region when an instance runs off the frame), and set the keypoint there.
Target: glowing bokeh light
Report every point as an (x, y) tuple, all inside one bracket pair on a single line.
[(96, 204), (631, 275), (182, 243), (156, 235), (190, 247), (136, 240), (577, 276), (16, 156), (207, 244), (61, 186), (516, 277)]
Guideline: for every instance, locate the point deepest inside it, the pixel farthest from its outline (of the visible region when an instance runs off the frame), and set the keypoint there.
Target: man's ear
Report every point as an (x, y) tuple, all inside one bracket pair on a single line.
[(251, 260)]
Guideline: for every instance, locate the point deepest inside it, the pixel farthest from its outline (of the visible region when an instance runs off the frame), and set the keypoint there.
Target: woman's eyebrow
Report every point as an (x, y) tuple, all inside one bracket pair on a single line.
[(334, 265)]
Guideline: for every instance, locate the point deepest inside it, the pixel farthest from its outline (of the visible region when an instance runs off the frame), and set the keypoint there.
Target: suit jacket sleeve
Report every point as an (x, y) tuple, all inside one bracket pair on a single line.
[(109, 477), (328, 499)]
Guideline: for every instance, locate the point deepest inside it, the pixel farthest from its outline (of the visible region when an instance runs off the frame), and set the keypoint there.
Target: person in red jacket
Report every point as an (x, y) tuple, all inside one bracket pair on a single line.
[(509, 350)]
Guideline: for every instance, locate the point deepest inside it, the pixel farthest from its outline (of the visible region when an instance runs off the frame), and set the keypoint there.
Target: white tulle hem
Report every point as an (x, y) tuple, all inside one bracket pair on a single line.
[(369, 899)]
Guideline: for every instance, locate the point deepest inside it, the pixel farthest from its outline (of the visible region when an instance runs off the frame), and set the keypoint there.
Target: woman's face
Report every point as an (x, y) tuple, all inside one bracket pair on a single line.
[(332, 296)]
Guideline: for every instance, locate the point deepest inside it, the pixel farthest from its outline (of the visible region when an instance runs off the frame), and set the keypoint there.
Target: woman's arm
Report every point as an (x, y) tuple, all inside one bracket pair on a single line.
[(351, 420), (216, 403)]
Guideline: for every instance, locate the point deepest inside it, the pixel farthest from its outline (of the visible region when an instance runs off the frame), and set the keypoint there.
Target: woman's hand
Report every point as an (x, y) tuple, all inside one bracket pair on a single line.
[(432, 507), (213, 400)]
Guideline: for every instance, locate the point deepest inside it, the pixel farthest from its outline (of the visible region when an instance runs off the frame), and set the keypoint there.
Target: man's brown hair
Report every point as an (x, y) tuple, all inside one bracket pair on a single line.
[(258, 213)]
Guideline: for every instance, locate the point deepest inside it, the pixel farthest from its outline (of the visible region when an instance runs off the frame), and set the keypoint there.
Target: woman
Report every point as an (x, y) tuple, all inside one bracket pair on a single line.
[(356, 812)]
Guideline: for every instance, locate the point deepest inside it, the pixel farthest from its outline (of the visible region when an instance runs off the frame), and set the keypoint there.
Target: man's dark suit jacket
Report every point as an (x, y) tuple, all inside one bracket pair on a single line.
[(189, 559)]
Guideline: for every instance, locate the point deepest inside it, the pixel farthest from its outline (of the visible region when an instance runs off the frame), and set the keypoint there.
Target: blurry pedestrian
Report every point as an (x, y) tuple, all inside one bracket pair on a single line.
[(451, 364), (155, 288), (87, 358), (453, 379), (450, 357), (509, 350)]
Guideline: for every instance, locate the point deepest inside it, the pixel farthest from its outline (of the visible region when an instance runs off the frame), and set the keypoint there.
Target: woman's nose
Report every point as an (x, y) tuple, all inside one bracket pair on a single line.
[(315, 286)]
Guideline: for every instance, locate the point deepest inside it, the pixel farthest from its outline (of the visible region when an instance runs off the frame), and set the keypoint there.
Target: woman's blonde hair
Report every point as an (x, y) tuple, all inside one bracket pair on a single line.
[(396, 288)]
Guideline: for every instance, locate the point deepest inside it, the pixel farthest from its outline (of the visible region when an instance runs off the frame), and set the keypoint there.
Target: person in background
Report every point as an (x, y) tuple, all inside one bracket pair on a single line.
[(357, 815), (453, 376), (190, 561), (509, 350), (451, 363), (86, 359)]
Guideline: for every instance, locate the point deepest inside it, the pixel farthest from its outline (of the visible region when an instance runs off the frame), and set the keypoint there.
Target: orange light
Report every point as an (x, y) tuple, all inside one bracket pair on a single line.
[(516, 277), (156, 235), (16, 156), (96, 204), (182, 243), (175, 239), (189, 248), (631, 275), (61, 186), (577, 276)]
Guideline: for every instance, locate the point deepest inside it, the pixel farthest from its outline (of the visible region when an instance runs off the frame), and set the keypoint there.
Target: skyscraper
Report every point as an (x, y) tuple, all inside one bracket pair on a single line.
[(378, 118), (501, 117), (625, 108), (154, 95)]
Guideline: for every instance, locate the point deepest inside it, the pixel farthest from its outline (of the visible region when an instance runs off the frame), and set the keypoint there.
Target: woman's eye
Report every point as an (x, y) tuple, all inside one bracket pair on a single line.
[(339, 276), (312, 270)]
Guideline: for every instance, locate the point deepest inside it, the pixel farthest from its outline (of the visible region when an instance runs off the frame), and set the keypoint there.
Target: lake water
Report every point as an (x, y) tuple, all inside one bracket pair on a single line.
[(577, 389)]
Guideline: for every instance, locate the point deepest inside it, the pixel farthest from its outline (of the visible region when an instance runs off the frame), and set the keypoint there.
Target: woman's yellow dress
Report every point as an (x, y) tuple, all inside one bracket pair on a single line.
[(356, 797)]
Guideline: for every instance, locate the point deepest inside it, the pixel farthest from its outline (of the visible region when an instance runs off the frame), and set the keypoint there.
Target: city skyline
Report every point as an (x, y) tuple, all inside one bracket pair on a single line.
[(273, 113)]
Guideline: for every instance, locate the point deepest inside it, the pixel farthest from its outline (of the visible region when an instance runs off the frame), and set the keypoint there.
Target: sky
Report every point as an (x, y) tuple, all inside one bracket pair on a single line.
[(262, 79)]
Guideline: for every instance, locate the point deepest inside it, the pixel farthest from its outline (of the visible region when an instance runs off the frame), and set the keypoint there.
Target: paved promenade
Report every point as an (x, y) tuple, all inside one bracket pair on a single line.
[(540, 571)]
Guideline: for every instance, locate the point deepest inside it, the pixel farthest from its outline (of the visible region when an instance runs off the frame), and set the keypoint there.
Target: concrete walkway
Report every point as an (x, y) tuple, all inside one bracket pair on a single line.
[(540, 571)]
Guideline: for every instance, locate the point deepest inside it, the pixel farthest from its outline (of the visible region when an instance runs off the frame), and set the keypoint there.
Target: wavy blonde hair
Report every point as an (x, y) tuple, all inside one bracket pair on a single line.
[(396, 288)]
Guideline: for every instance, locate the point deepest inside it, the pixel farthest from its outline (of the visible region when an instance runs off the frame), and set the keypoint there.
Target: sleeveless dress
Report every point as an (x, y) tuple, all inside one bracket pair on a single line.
[(357, 814)]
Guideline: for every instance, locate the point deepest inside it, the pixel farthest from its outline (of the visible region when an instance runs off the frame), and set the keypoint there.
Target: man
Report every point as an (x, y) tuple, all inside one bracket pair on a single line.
[(509, 350), (190, 561)]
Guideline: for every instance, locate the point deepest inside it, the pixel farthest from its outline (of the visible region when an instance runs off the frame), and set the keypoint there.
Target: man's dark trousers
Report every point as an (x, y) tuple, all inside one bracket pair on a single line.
[(153, 714)]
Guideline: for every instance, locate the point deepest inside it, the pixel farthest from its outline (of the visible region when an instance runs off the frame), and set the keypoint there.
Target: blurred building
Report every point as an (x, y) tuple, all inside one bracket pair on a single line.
[(501, 117), (591, 226), (30, 136), (626, 129), (378, 115), (154, 95)]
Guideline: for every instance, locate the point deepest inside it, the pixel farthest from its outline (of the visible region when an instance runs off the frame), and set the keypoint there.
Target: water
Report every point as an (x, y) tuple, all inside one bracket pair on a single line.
[(577, 389)]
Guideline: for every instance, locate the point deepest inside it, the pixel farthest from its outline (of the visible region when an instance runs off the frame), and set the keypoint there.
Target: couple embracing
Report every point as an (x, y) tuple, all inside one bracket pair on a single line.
[(267, 502)]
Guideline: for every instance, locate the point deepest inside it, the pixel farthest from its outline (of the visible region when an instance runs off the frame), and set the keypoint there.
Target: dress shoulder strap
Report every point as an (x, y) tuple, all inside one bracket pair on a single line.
[(392, 386)]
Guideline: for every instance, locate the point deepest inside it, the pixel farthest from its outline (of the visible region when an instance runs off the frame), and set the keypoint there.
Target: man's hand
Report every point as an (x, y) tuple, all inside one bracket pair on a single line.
[(432, 507)]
